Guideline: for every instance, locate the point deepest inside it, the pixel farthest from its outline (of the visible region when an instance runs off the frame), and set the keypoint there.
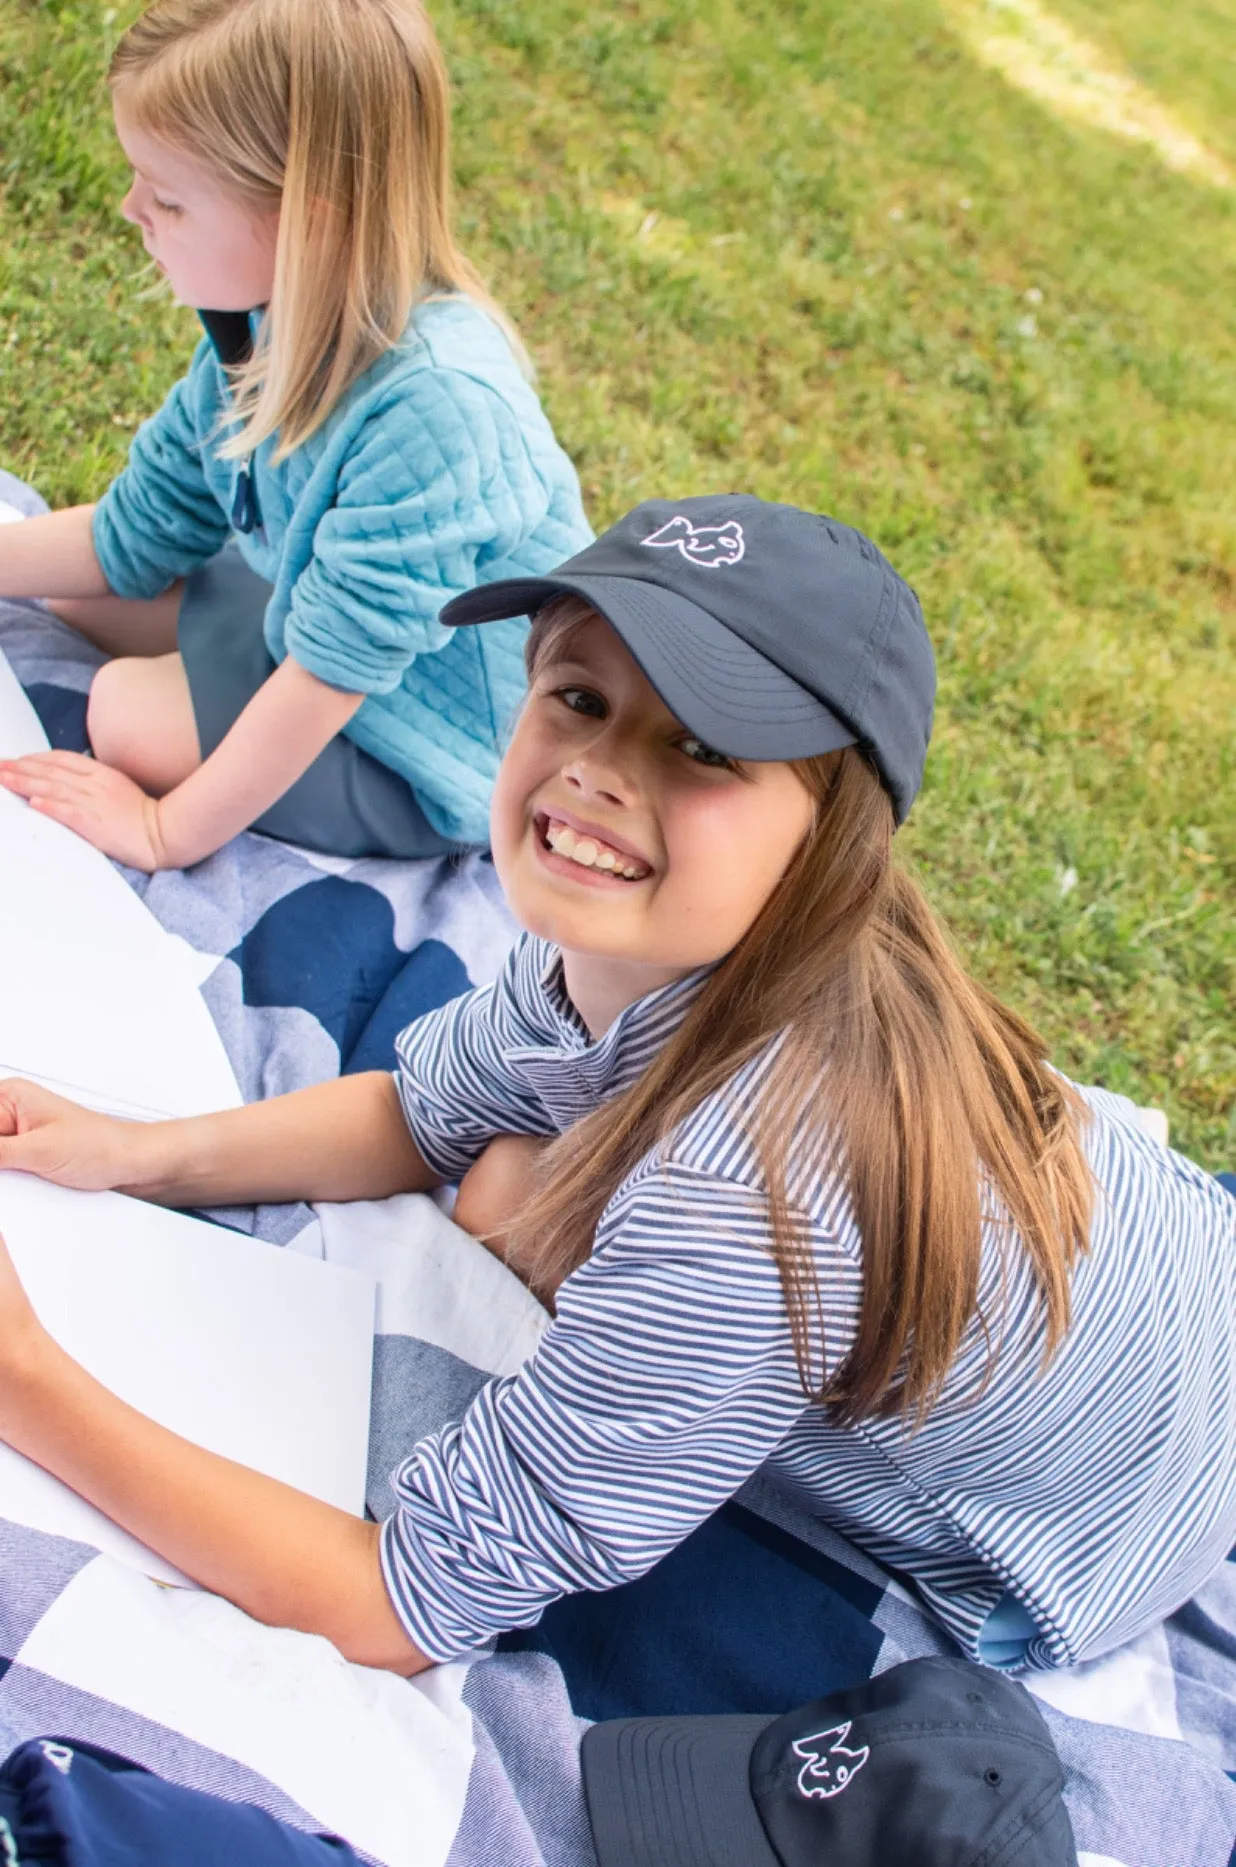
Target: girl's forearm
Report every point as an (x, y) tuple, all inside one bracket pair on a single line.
[(284, 1557), (341, 1140), (52, 555), (273, 742)]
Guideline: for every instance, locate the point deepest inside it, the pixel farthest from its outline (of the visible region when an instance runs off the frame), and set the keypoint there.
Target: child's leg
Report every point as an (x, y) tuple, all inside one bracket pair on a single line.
[(121, 626), (141, 721)]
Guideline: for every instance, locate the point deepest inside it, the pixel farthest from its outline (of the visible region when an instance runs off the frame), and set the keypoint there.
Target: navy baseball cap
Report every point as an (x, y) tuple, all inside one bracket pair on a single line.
[(935, 1763), (770, 632)]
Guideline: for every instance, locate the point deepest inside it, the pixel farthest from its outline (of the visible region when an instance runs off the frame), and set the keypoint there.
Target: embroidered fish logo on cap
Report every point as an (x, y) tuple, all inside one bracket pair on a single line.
[(709, 546), (828, 1766)]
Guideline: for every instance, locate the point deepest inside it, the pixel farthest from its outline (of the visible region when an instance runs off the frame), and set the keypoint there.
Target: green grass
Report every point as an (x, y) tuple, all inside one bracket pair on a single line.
[(809, 248), (1181, 53)]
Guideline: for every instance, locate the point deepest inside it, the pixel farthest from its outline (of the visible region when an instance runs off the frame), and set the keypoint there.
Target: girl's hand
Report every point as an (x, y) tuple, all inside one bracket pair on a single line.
[(102, 805), (47, 1135)]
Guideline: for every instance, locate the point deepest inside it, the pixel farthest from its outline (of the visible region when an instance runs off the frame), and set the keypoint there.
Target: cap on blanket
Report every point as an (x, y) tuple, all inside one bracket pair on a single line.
[(770, 632), (935, 1763)]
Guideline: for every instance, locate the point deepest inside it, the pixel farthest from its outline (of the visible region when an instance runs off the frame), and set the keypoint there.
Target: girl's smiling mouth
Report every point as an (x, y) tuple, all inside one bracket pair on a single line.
[(578, 847)]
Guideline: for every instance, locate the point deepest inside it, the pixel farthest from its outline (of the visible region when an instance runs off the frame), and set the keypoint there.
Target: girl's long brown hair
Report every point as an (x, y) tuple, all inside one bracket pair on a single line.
[(889, 1066)]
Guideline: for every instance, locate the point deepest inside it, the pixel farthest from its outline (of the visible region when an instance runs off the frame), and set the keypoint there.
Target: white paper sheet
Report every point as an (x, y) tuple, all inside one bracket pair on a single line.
[(94, 995), (254, 1352)]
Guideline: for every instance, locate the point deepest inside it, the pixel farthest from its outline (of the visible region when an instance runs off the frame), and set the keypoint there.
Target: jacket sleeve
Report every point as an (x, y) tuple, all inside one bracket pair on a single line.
[(159, 520), (665, 1381), (437, 483)]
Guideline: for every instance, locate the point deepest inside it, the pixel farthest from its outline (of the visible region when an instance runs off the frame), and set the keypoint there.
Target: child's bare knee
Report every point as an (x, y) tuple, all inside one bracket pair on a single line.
[(111, 712), (140, 720)]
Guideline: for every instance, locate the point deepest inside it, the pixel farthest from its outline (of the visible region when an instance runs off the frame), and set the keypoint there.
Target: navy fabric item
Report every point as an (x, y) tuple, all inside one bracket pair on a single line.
[(645, 1649), (771, 632), (231, 333), (62, 715), (70, 1804)]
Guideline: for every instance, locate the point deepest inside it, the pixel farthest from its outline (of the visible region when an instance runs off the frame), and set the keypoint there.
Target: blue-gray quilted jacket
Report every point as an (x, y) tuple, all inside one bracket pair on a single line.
[(438, 471)]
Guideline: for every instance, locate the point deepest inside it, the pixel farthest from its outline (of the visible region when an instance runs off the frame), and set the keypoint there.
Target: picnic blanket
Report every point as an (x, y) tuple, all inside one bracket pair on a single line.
[(309, 967)]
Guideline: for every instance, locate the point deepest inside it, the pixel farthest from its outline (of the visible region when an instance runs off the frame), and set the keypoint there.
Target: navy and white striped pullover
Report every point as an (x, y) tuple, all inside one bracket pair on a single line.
[(1097, 1495)]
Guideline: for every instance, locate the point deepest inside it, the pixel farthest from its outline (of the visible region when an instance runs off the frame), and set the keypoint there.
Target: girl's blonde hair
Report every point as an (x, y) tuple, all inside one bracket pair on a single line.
[(889, 1067), (337, 112)]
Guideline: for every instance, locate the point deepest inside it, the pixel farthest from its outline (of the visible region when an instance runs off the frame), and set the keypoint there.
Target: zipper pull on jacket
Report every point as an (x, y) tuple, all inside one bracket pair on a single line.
[(245, 514)]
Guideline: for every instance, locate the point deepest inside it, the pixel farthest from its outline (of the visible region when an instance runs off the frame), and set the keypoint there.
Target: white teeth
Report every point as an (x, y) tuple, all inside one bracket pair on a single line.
[(588, 853)]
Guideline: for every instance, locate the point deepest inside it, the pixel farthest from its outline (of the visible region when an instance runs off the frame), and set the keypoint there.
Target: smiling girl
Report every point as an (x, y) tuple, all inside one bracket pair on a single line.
[(803, 1195), (355, 429)]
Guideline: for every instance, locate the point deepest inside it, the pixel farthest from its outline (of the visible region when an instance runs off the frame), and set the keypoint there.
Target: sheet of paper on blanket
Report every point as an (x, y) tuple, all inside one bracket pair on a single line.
[(257, 1353), (95, 999)]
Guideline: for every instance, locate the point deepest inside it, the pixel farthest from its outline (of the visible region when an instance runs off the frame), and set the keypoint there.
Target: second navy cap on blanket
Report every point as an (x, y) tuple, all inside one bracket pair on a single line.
[(935, 1763), (65, 1803), (770, 632)]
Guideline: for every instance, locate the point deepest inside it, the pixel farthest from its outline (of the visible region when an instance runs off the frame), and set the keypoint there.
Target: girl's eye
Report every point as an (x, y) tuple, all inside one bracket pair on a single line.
[(165, 207), (583, 700), (704, 755)]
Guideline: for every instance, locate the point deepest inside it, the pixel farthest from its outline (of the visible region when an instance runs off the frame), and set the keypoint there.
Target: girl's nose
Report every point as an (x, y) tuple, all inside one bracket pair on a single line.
[(578, 783), (592, 774), (131, 210)]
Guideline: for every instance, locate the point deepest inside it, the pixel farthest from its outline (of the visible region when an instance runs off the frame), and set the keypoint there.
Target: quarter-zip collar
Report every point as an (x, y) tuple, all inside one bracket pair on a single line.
[(569, 1071)]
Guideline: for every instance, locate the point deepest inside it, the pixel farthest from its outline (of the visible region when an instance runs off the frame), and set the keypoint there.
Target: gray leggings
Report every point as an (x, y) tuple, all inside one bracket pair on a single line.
[(347, 803)]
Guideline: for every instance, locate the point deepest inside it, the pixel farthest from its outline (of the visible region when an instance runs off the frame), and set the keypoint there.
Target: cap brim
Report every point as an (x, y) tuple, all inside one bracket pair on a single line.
[(729, 694), (674, 1792)]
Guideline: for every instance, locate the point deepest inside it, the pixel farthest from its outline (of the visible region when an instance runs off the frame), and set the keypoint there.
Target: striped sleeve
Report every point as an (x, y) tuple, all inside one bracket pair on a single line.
[(455, 1085), (667, 1378)]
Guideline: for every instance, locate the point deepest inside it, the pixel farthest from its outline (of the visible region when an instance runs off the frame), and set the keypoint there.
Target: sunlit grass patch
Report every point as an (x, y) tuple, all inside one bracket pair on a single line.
[(1039, 53)]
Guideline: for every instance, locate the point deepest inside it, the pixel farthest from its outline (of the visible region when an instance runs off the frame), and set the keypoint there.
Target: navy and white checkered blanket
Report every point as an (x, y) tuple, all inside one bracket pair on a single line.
[(309, 967)]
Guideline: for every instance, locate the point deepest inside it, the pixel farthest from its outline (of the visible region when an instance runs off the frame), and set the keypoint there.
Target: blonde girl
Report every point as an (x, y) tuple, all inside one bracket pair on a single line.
[(804, 1196), (355, 429)]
